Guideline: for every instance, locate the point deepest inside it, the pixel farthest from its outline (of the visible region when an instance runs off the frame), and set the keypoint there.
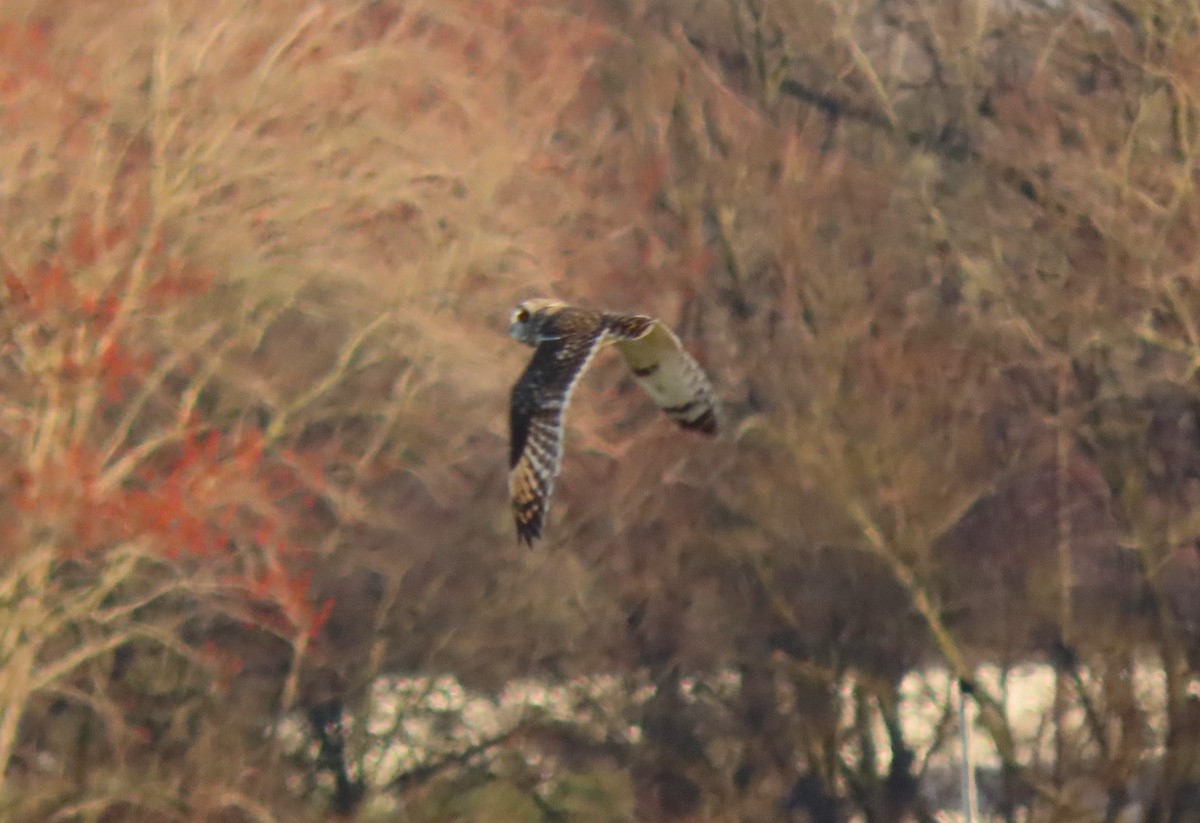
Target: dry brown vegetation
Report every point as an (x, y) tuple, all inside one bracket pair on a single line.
[(257, 260)]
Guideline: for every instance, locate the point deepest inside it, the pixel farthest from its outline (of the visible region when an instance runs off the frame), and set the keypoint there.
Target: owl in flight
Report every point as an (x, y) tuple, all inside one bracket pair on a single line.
[(565, 338)]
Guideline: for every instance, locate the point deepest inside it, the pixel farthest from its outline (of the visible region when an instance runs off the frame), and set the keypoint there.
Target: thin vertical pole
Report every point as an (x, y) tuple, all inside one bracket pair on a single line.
[(969, 801)]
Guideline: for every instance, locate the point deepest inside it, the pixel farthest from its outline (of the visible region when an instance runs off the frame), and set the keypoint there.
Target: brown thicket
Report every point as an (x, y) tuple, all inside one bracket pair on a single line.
[(257, 262)]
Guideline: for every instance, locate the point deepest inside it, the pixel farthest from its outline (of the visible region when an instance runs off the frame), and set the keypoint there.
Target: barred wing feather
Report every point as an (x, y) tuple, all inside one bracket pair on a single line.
[(672, 378)]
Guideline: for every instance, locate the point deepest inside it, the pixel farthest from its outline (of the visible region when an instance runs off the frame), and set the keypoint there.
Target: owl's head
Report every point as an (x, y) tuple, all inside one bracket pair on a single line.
[(530, 318)]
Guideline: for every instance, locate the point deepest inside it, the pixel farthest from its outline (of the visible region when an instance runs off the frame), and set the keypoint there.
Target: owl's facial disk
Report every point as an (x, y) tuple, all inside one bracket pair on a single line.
[(528, 320)]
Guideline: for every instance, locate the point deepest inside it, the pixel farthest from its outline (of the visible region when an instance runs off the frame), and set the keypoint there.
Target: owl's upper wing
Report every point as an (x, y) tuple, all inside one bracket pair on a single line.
[(536, 425), (668, 373)]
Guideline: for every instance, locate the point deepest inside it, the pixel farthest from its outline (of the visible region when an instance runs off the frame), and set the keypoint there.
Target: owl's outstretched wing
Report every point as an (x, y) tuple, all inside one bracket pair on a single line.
[(667, 372), (536, 425)]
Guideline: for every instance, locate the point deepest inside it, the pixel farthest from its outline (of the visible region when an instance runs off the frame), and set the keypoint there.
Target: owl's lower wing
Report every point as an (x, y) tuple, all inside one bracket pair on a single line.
[(536, 426), (671, 377)]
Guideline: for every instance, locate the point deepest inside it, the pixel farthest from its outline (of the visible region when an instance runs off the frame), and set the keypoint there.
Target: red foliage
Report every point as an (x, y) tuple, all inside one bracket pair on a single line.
[(34, 89), (288, 592), (23, 51), (216, 500), (206, 499)]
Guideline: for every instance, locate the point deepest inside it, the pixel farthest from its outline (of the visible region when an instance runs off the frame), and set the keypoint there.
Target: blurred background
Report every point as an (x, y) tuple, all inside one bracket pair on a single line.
[(257, 559)]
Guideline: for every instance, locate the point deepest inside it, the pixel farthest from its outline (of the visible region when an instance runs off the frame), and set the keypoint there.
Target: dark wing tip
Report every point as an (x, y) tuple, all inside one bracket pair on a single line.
[(706, 423), (529, 513), (528, 532)]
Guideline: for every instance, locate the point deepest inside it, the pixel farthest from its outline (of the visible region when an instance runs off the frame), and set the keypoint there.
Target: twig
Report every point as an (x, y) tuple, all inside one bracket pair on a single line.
[(425, 771)]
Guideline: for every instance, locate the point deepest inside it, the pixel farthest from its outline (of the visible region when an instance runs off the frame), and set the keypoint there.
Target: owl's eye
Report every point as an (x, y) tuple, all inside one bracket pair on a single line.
[(522, 315)]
